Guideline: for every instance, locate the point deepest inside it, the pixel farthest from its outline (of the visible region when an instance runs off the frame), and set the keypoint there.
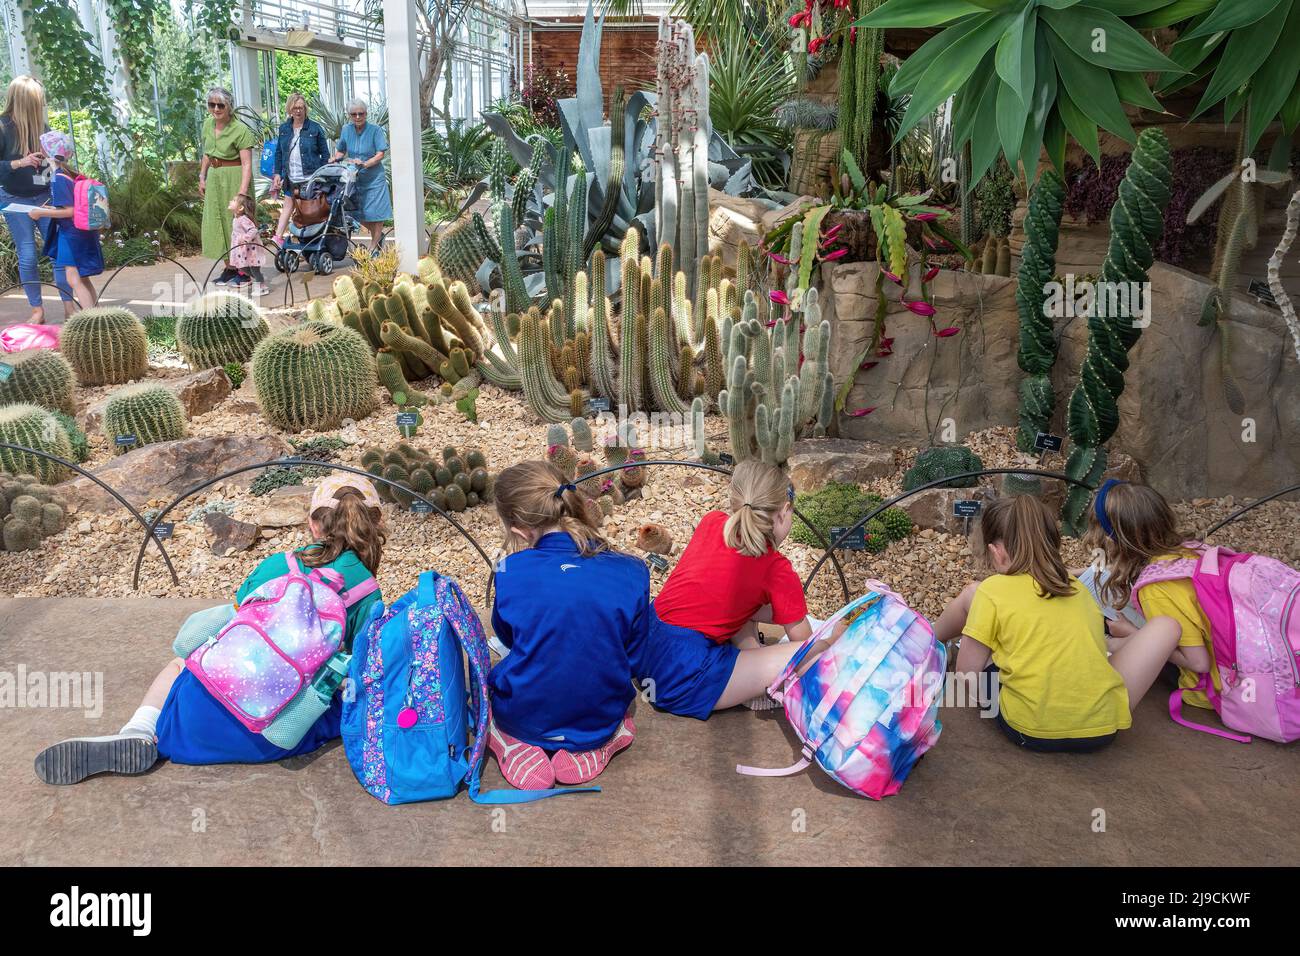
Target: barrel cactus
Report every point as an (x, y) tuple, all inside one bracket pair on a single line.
[(36, 428), (40, 377), (1038, 345), (147, 412), (1136, 225), (105, 346), (314, 376), (220, 327), (941, 462)]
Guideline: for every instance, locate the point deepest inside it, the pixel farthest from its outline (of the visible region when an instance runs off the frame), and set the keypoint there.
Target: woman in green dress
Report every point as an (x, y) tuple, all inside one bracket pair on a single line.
[(225, 172)]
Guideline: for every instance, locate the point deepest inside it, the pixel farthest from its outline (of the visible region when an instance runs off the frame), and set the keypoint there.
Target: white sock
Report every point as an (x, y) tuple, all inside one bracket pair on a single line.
[(143, 723)]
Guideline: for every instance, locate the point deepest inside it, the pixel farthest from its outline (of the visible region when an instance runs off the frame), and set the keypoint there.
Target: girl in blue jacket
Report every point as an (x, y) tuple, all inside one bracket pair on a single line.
[(574, 613)]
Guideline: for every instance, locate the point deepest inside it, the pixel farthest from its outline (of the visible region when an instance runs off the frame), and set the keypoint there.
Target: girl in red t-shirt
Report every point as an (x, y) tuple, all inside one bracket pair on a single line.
[(704, 652)]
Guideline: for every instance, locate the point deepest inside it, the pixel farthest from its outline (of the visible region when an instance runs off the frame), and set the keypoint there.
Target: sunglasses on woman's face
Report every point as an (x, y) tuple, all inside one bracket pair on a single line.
[(216, 106), (356, 115)]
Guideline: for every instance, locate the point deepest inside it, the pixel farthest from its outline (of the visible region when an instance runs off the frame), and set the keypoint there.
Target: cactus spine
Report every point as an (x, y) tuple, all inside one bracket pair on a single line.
[(36, 428), (220, 327), (105, 346), (39, 377), (314, 376), (147, 411), (1037, 337)]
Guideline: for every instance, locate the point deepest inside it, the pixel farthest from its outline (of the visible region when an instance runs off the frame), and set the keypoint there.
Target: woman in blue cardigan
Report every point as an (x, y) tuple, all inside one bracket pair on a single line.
[(302, 150)]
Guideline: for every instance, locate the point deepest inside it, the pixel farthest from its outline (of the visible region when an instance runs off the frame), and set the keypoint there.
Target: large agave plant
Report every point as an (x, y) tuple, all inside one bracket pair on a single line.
[(1027, 73)]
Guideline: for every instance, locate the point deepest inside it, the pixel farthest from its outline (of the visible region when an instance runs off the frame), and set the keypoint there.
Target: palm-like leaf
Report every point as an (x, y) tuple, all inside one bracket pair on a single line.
[(749, 82), (1025, 73)]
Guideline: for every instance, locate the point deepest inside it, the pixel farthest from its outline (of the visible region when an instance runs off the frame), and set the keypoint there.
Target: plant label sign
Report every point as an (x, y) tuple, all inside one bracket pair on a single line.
[(726, 458), (965, 508), (5, 371), (1262, 292), (408, 419), (164, 530), (595, 406), (857, 541), (657, 562), (1045, 442), (420, 507), (124, 441)]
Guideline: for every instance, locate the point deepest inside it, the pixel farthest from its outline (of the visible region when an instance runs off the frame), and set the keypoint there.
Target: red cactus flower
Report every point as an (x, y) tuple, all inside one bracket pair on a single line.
[(891, 277), (920, 307), (816, 44), (859, 412), (930, 274), (796, 19), (779, 297), (926, 216), (777, 257), (868, 366), (837, 254), (945, 333), (833, 231), (853, 34)]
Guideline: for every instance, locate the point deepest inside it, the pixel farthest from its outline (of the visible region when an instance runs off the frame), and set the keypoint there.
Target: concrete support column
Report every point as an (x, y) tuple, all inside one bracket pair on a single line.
[(401, 42)]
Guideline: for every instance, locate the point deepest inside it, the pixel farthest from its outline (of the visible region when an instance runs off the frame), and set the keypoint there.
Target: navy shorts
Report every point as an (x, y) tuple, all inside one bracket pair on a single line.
[(1049, 745), (195, 728), (689, 670)]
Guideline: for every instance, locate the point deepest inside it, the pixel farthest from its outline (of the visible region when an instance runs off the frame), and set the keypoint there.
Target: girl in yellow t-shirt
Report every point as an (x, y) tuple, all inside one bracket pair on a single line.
[(1043, 632), (1133, 525)]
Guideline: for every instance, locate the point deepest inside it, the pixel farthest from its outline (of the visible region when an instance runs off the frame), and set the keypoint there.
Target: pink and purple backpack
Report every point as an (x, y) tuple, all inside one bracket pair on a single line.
[(284, 634), (1251, 602), (867, 708)]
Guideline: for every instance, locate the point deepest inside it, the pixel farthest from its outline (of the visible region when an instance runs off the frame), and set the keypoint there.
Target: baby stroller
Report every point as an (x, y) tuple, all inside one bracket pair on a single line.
[(321, 224)]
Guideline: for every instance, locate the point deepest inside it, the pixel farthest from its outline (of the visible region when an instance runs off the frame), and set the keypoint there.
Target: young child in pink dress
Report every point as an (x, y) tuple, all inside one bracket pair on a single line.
[(246, 252)]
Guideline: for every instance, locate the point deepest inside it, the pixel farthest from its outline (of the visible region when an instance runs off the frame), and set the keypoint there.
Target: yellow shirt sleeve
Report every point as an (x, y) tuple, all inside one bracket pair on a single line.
[(982, 621), (1177, 599)]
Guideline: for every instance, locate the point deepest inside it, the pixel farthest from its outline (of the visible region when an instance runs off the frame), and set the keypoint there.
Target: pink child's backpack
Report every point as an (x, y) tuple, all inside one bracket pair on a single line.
[(1251, 603), (284, 635), (90, 204)]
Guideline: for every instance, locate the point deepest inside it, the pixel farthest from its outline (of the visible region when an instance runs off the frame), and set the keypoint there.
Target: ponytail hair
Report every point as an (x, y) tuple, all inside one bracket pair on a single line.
[(351, 525), (1143, 527), (1028, 530), (758, 492), (535, 495)]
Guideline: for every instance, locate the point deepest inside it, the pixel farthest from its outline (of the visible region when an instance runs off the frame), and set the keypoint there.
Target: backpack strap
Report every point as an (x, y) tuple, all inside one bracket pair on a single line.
[(291, 560), (469, 633), (1158, 571), (1176, 712), (354, 594)]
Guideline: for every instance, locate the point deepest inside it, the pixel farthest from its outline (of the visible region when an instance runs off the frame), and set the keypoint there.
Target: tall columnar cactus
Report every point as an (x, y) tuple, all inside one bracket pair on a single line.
[(859, 86), (683, 132), (1136, 224), (105, 346), (543, 393), (511, 276), (460, 252), (629, 352), (1038, 344), (314, 376), (220, 327), (39, 376), (36, 428), (146, 412)]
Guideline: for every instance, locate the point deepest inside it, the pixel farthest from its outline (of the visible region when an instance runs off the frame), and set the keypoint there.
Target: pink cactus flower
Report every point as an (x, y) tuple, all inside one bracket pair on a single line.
[(779, 297), (945, 333), (868, 366), (930, 273), (926, 216), (777, 257), (891, 277), (833, 231), (837, 254), (859, 412), (920, 307)]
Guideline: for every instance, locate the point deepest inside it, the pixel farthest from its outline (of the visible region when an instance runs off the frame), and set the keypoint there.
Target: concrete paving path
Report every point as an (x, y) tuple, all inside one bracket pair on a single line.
[(1165, 795)]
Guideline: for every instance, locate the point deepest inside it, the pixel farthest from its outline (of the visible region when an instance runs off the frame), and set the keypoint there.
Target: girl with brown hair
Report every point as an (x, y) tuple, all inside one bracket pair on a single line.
[(179, 719), (573, 613), (1043, 634)]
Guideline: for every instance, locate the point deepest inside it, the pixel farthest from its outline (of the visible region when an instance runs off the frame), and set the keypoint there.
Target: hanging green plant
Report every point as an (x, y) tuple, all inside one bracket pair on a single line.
[(69, 60), (133, 25), (215, 17)]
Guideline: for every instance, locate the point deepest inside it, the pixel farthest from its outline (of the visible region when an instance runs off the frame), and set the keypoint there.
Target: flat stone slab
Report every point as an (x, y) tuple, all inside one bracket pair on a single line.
[(673, 797)]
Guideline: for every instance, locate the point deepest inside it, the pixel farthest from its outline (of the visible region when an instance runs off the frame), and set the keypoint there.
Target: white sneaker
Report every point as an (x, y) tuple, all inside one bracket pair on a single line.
[(762, 702), (260, 289)]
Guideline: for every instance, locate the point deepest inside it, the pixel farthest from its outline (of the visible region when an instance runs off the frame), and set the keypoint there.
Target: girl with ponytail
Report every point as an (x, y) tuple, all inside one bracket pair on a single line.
[(179, 719), (573, 613), (1038, 629), (705, 652)]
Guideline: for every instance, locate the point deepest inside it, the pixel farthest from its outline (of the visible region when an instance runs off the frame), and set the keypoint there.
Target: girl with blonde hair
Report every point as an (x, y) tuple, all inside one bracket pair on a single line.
[(704, 651), (25, 176), (573, 613)]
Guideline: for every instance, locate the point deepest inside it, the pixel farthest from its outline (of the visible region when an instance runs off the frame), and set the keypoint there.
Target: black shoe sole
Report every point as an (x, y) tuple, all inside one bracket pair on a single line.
[(72, 761)]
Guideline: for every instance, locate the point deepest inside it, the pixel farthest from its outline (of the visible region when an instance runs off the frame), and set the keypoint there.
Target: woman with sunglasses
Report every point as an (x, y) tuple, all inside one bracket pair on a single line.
[(364, 145), (225, 172), (302, 150)]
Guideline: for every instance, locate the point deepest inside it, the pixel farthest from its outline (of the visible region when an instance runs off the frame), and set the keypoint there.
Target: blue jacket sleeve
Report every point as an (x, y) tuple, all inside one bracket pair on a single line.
[(501, 628)]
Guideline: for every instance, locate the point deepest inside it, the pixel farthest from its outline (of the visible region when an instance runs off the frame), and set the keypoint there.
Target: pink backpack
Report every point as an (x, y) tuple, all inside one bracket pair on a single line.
[(1251, 604), (90, 204), (283, 634)]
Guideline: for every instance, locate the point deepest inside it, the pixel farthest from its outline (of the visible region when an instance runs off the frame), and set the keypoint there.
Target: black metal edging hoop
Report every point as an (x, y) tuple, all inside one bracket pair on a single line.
[(287, 463), (721, 471), (57, 288), (145, 259), (1245, 508), (926, 487), (112, 491)]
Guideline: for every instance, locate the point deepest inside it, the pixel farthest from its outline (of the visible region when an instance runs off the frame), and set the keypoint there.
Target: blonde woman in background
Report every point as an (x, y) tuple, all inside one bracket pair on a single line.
[(25, 174)]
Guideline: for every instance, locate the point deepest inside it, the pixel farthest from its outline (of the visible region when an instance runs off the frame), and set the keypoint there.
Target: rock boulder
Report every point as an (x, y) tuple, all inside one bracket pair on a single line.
[(816, 462)]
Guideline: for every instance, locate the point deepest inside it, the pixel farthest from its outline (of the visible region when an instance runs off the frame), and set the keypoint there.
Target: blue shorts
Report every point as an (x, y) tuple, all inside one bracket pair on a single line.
[(689, 670), (195, 728)]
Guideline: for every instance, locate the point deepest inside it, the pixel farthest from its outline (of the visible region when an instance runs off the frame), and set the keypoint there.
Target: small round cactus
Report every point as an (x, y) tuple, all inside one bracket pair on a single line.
[(220, 327), (314, 375), (105, 346), (33, 427), (452, 485), (29, 513), (147, 412), (40, 377)]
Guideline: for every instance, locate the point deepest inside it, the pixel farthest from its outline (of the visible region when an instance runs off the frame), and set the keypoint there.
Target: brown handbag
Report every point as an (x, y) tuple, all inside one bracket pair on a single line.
[(308, 212)]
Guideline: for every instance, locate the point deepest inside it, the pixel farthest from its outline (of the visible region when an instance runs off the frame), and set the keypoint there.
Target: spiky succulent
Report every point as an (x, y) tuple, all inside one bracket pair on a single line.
[(314, 376), (39, 376), (105, 346), (220, 327)]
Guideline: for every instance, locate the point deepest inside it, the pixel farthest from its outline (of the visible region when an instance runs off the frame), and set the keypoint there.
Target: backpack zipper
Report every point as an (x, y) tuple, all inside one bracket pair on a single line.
[(1287, 610)]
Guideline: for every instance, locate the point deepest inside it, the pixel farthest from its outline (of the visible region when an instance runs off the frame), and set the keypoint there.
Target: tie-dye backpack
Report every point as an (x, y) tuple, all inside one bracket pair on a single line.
[(868, 707), (267, 664), (405, 713), (1253, 605)]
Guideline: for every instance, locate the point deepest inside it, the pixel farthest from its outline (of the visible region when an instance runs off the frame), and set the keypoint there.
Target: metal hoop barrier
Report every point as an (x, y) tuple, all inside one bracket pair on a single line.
[(61, 291), (112, 491), (134, 260), (1245, 508), (286, 463), (926, 487), (839, 569)]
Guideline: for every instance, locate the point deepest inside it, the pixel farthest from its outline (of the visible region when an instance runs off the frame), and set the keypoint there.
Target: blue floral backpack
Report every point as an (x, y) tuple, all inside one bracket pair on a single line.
[(406, 709)]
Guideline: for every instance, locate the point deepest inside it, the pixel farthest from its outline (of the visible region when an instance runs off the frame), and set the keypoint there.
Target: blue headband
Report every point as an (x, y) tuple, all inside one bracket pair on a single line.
[(1099, 507), (559, 492)]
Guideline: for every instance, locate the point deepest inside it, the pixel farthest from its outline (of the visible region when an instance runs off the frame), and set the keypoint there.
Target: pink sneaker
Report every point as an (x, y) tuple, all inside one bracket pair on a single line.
[(571, 768), (524, 766)]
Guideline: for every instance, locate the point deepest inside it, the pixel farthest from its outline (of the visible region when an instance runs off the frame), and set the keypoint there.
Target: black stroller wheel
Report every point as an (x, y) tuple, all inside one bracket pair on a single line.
[(324, 263), (292, 261)]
